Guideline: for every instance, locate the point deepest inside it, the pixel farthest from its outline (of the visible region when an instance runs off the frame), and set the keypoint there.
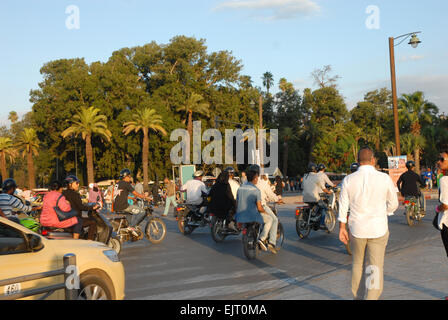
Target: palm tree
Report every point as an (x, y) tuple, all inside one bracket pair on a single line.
[(194, 104), (144, 120), (29, 144), (268, 81), (7, 151), (13, 117), (416, 110), (86, 123)]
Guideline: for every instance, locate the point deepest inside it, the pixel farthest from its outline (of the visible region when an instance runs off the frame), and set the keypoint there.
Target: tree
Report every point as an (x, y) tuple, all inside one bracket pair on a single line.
[(88, 122), (195, 104), (286, 135), (7, 151), (29, 144), (13, 117), (323, 79), (144, 120), (268, 81), (415, 111)]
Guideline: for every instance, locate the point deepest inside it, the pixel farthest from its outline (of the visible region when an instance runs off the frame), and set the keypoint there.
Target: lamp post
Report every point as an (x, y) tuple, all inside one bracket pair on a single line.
[(414, 42), (260, 123)]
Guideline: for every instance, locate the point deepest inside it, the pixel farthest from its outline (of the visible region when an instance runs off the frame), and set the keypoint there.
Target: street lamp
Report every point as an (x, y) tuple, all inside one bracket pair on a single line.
[(414, 42)]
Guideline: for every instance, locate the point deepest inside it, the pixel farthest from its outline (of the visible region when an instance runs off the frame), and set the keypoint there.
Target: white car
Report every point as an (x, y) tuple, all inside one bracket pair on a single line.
[(24, 253)]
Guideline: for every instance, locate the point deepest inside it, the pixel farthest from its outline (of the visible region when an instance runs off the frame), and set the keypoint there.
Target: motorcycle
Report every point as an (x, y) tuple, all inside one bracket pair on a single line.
[(189, 217), (308, 217), (155, 230), (104, 229), (251, 235), (413, 212), (221, 228)]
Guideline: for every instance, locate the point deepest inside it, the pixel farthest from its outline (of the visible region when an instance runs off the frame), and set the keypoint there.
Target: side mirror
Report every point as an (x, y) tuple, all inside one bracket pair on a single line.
[(34, 242)]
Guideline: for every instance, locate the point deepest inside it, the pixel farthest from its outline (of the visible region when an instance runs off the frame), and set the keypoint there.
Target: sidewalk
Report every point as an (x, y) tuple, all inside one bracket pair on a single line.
[(415, 273)]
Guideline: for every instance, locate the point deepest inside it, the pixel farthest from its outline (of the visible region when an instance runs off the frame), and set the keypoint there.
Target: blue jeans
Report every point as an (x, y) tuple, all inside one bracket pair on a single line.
[(136, 215), (168, 203)]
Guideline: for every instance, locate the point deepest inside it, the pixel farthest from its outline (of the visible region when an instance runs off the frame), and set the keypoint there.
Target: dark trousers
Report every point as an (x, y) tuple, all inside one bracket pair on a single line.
[(84, 223), (445, 238)]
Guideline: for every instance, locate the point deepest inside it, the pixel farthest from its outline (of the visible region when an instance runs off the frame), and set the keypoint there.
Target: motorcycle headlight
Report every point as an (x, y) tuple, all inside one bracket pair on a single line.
[(112, 255)]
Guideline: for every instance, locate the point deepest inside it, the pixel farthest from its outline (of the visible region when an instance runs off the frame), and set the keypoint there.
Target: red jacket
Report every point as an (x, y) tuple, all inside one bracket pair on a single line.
[(49, 218)]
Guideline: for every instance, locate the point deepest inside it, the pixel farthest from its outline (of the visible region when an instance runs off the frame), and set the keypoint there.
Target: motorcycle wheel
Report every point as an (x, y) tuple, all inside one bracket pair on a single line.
[(250, 245), (155, 230), (183, 225), (303, 228), (409, 216), (217, 228), (330, 221), (114, 244), (280, 237)]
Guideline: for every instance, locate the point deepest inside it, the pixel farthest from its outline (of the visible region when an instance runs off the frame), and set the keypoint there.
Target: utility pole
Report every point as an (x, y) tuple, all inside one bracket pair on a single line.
[(394, 95)]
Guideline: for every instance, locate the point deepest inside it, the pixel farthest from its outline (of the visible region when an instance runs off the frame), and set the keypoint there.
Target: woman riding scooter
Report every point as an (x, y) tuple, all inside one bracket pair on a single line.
[(74, 198), (222, 201), (49, 218)]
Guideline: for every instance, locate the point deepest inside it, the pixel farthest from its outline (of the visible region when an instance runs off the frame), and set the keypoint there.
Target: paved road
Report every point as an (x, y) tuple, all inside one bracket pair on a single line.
[(195, 267)]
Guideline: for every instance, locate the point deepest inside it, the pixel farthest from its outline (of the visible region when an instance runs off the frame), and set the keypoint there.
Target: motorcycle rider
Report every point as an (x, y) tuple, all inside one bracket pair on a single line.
[(222, 201), (233, 184), (74, 198), (8, 201), (134, 214), (408, 185), (270, 219), (249, 208), (321, 173), (313, 185), (195, 189)]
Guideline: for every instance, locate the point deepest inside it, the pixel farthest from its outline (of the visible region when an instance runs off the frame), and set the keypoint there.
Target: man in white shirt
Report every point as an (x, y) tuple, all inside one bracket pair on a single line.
[(443, 207), (323, 176), (234, 186), (313, 186), (270, 219), (195, 188), (371, 197)]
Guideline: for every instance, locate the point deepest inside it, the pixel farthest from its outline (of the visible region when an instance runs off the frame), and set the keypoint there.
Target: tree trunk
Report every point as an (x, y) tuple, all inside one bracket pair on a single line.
[(3, 165), (89, 158), (31, 174), (417, 160), (145, 156)]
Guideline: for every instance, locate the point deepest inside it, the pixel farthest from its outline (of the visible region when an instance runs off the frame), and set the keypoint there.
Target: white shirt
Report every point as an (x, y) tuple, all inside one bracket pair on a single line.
[(234, 186), (371, 197), (267, 195), (325, 178), (443, 217), (194, 190), (312, 186)]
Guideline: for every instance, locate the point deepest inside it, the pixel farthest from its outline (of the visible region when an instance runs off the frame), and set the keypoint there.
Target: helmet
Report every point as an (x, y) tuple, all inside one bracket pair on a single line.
[(312, 167), (70, 179), (230, 170), (354, 167), (125, 173), (198, 174), (321, 167), (9, 184), (30, 224), (410, 165)]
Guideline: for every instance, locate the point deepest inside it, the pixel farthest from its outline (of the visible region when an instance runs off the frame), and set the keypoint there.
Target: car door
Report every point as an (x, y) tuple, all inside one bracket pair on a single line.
[(16, 260)]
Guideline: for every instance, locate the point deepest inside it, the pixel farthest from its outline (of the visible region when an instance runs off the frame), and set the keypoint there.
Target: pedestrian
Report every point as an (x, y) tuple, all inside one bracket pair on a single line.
[(96, 195), (170, 196), (243, 178), (443, 207), (279, 185), (371, 197), (428, 178)]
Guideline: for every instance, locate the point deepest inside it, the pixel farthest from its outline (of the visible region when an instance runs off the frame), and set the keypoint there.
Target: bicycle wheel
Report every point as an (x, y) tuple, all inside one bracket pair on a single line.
[(410, 215), (155, 230), (183, 224)]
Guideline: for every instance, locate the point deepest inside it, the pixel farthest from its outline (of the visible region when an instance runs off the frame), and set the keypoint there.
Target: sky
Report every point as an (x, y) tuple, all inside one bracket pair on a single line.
[(289, 38)]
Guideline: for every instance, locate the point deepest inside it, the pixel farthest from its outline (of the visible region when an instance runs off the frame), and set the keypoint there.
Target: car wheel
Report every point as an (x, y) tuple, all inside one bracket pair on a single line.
[(93, 287)]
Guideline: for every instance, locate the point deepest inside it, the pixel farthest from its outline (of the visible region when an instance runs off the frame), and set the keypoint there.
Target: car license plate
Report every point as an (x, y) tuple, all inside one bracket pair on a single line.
[(12, 289)]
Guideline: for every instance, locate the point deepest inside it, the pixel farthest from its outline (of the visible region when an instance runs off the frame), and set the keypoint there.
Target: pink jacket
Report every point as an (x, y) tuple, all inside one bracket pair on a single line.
[(49, 218)]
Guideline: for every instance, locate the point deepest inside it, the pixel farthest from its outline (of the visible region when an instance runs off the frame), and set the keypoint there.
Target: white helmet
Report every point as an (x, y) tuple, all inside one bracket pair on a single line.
[(198, 174)]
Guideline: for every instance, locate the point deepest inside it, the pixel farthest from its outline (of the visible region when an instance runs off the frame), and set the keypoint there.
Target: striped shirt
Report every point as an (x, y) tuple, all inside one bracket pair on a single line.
[(8, 203)]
